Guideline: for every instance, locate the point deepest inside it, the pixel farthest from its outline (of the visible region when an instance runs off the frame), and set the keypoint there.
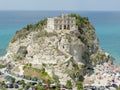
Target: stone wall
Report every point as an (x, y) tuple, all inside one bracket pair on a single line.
[(63, 22)]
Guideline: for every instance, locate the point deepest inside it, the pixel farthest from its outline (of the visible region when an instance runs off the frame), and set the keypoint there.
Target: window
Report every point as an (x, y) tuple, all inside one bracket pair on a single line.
[(64, 26)]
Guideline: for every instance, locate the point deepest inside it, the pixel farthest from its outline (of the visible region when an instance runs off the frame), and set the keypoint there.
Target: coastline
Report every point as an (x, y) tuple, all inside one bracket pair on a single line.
[(2, 52), (104, 75), (109, 27)]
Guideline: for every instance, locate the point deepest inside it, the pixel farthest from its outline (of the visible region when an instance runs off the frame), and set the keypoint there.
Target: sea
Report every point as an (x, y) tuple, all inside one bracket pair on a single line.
[(106, 23)]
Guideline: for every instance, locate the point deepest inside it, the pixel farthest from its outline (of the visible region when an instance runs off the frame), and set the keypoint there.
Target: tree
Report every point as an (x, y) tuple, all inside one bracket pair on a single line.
[(40, 87), (3, 82), (69, 84), (43, 22), (22, 82), (57, 86), (48, 82), (30, 64), (29, 26), (28, 85), (12, 80), (43, 70), (79, 86), (39, 83)]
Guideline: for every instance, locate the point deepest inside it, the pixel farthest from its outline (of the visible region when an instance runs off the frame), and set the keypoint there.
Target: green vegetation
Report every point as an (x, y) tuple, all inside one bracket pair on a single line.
[(3, 89), (81, 21), (21, 34), (79, 85), (22, 82), (98, 58), (69, 84), (55, 78), (40, 87), (75, 65), (88, 37), (87, 33), (118, 88), (13, 40), (57, 86), (12, 80), (20, 89), (42, 22), (2, 66), (17, 58), (36, 73), (28, 85), (3, 82), (77, 72)]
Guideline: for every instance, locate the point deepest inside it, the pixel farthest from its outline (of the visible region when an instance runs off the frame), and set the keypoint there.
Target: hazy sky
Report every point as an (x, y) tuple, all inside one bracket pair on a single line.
[(60, 5)]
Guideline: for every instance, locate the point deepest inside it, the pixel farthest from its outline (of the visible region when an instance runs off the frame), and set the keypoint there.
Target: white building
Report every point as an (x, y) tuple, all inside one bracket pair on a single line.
[(63, 22)]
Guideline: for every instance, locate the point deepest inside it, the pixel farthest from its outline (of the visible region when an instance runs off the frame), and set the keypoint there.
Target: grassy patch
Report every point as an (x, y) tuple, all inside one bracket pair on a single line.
[(22, 34), (35, 72), (2, 66)]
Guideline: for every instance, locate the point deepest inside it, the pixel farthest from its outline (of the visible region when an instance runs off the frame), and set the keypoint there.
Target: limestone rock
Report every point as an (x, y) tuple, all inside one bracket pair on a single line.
[(65, 53)]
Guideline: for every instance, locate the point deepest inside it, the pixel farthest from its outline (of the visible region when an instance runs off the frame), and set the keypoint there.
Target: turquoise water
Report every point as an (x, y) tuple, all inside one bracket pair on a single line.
[(107, 25)]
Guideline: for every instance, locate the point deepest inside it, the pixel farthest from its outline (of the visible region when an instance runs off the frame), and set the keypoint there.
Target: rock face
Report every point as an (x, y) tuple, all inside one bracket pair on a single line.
[(64, 53)]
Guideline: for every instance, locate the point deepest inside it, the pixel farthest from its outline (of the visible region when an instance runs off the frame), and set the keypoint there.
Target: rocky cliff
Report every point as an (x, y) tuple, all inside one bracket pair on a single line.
[(65, 54)]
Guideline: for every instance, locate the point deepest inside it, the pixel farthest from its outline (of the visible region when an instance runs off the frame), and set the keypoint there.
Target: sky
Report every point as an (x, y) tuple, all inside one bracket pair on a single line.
[(81, 5)]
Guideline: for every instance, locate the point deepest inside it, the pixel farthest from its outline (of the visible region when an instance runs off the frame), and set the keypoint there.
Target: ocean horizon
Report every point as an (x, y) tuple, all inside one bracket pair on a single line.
[(106, 26)]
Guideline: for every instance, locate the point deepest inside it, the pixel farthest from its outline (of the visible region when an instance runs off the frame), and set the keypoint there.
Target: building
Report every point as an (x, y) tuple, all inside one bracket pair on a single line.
[(63, 22)]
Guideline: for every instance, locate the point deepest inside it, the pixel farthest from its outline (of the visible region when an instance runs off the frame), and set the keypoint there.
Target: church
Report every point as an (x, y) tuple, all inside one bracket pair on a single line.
[(63, 22)]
